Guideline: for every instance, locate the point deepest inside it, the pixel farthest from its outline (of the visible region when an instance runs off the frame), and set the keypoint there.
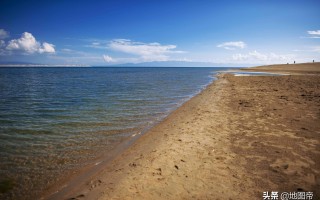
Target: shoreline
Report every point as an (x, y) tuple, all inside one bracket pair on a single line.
[(208, 147), (138, 107), (76, 178)]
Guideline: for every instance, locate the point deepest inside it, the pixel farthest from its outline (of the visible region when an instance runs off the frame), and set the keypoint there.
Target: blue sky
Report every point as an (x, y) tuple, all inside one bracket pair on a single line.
[(119, 31)]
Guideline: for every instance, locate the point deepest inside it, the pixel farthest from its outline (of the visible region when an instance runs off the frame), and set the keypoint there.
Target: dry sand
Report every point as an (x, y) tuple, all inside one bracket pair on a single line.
[(240, 137), (302, 68)]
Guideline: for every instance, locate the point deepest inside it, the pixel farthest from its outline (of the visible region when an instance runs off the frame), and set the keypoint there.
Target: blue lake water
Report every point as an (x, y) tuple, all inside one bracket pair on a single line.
[(54, 120)]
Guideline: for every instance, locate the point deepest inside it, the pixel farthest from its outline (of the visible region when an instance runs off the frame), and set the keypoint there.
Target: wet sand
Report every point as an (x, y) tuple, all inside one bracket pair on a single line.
[(240, 137)]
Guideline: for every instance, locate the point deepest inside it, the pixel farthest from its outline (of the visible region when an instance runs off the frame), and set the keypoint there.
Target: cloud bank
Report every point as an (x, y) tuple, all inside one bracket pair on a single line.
[(256, 56), (146, 51), (26, 45), (232, 45)]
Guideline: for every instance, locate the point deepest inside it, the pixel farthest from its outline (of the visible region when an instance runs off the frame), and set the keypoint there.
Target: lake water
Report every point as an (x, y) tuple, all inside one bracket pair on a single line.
[(55, 120)]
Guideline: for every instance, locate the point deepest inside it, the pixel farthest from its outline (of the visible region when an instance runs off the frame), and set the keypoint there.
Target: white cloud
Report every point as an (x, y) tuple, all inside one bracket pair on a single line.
[(47, 48), (256, 56), (3, 34), (317, 32), (314, 34), (28, 44), (107, 58), (232, 45), (146, 51)]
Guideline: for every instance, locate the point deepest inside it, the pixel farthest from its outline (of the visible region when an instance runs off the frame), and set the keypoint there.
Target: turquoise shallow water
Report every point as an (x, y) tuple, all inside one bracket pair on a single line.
[(54, 120)]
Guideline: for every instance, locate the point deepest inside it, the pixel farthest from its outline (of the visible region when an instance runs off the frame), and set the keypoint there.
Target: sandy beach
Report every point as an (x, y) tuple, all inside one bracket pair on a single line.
[(240, 137), (302, 68)]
